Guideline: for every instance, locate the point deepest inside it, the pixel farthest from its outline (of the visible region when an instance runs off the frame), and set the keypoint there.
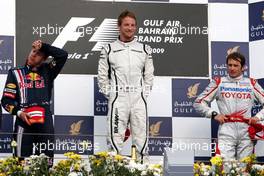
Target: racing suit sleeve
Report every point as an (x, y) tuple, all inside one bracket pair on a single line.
[(104, 71), (259, 96), (201, 104), (148, 69), (10, 98), (59, 59)]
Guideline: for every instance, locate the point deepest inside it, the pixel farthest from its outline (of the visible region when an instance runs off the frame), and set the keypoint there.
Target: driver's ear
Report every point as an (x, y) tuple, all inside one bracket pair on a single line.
[(44, 59), (244, 68)]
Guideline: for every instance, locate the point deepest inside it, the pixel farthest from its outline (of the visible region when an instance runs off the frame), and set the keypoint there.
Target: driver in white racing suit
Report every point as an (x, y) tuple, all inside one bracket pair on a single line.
[(235, 96), (125, 77)]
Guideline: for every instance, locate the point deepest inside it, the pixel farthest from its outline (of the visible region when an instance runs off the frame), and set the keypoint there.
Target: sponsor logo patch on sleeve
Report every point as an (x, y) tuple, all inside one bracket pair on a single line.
[(10, 95), (11, 85)]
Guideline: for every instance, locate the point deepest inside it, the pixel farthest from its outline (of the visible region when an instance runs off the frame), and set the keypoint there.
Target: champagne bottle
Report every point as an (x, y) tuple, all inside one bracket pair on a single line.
[(133, 153)]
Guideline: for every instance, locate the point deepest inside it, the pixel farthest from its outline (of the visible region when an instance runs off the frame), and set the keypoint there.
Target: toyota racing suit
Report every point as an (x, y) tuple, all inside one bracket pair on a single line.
[(30, 91), (235, 98), (125, 77)]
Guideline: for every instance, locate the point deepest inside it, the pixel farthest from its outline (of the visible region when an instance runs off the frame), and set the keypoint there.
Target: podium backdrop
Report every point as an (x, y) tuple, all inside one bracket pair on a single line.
[(190, 41)]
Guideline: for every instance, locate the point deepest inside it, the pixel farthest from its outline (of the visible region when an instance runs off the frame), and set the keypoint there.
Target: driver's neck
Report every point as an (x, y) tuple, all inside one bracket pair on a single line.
[(125, 40), (34, 67)]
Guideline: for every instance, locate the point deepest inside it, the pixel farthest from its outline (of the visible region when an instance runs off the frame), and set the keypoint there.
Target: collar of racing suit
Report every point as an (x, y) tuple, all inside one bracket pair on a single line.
[(126, 43), (236, 78), (34, 69)]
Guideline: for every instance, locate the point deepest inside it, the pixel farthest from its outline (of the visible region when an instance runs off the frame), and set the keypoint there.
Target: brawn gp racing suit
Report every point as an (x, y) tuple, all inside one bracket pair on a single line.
[(125, 77), (235, 97), (30, 91)]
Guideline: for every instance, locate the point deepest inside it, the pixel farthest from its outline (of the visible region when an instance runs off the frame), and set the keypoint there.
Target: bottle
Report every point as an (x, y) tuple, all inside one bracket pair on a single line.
[(133, 153)]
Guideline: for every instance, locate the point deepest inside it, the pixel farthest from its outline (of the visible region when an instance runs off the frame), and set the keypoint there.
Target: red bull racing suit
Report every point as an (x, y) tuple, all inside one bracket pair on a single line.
[(125, 76), (30, 91), (235, 97)]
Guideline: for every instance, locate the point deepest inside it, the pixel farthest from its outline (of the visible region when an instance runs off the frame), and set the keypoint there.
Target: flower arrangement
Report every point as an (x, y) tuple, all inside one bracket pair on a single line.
[(249, 161), (11, 167), (219, 167), (110, 163), (101, 164), (73, 165), (234, 168), (257, 170), (201, 169), (36, 165)]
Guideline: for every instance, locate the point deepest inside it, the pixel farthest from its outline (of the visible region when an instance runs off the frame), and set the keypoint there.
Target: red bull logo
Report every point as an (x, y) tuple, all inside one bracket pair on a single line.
[(33, 77)]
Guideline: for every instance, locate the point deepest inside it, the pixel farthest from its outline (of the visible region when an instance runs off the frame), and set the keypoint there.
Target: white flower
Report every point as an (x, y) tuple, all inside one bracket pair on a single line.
[(257, 167), (132, 170), (156, 174), (144, 173), (34, 156), (206, 173), (73, 174), (42, 155), (226, 163), (13, 143), (120, 164)]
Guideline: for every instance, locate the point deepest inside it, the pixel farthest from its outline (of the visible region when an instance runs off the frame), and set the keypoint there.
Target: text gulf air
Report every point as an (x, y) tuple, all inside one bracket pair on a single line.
[(235, 92)]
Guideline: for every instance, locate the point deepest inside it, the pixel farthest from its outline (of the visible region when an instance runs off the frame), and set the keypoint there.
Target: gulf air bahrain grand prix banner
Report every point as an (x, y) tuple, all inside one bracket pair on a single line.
[(177, 33)]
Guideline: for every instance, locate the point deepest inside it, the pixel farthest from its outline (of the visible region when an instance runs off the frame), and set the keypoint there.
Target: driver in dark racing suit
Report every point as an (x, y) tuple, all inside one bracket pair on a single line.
[(27, 95)]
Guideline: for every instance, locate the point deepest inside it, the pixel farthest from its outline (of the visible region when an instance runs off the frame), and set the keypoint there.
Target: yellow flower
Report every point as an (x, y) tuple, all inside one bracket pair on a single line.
[(118, 157), (103, 154), (249, 159), (63, 163), (208, 167), (68, 154), (158, 166), (246, 159), (196, 166), (223, 172), (217, 160), (72, 156), (75, 157), (97, 162), (77, 167)]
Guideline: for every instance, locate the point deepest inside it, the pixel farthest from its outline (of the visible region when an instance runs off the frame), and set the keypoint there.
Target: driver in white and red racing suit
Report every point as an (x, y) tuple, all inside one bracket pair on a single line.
[(235, 96)]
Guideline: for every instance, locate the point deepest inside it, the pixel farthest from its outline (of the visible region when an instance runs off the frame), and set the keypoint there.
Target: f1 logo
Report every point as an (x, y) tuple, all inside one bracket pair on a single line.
[(69, 32)]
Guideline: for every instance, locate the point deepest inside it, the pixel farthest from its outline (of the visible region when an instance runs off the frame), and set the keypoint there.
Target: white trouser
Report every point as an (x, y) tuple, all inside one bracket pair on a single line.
[(234, 141), (128, 108)]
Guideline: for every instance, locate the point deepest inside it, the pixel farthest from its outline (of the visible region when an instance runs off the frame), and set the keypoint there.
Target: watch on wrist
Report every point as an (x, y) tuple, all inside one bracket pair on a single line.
[(214, 114)]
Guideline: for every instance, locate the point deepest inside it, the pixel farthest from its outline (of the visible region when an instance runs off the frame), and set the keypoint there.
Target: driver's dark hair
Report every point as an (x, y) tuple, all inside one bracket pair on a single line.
[(238, 57), (125, 14)]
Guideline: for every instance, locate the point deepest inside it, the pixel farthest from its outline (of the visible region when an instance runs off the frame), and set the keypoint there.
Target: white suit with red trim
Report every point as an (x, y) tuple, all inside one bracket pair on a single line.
[(235, 97)]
